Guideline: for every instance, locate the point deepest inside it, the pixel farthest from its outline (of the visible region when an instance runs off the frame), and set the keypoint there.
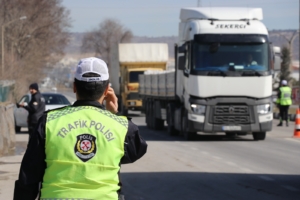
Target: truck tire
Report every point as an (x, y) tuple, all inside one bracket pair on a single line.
[(147, 113), (151, 115), (184, 128), (171, 129), (158, 124), (259, 135)]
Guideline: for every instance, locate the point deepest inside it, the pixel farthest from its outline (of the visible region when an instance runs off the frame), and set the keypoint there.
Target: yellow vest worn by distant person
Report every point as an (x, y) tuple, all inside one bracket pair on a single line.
[(285, 98), (84, 146)]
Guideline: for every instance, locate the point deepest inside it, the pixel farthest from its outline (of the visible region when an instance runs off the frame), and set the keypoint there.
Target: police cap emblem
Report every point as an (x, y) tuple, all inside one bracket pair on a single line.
[(85, 147)]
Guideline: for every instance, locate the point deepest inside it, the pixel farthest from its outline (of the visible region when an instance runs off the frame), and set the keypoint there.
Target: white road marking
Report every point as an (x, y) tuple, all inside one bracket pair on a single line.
[(247, 170), (194, 148), (204, 152), (231, 163), (290, 188), (266, 178)]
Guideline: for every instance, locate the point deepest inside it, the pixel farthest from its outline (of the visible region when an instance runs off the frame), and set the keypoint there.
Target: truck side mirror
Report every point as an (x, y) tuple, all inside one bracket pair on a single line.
[(182, 49)]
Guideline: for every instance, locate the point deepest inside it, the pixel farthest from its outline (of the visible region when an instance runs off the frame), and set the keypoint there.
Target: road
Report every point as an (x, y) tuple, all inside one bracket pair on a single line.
[(215, 167), (211, 167)]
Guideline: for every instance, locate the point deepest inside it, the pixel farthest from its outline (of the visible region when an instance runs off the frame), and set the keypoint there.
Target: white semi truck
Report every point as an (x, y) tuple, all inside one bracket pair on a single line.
[(223, 76)]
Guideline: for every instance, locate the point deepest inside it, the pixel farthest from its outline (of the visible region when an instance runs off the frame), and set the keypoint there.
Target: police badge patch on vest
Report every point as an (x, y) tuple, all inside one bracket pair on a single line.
[(85, 147)]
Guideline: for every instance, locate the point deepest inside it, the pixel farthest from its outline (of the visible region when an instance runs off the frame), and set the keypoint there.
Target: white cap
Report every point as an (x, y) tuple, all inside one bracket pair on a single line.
[(284, 82), (92, 65)]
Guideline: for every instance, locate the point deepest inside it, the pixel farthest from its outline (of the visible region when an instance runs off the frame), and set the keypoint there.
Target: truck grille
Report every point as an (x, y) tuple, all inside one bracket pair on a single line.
[(231, 119), (231, 110), (231, 114)]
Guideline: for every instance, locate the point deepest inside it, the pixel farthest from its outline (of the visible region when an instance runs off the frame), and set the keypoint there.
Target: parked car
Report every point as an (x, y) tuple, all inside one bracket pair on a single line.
[(52, 100)]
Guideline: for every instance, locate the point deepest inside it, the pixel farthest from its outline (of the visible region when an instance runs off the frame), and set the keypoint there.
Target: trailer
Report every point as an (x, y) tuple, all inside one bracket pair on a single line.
[(222, 80)]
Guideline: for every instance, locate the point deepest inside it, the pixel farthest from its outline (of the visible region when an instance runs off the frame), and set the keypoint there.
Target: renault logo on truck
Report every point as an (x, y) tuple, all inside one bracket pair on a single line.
[(231, 109)]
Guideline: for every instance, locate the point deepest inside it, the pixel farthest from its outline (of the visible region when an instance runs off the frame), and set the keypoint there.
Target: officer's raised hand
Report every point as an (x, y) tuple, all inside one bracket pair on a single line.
[(111, 100)]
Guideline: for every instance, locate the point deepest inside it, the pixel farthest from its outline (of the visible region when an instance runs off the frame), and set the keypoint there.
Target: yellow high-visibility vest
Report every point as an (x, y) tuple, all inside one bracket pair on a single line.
[(285, 98), (84, 146)]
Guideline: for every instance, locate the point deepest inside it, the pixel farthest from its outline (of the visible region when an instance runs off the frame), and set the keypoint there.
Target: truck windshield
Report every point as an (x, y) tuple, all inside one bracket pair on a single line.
[(225, 57), (134, 76)]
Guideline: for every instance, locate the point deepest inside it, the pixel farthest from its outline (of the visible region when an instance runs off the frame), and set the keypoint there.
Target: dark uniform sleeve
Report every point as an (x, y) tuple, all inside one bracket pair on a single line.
[(34, 104), (278, 94), (135, 146), (33, 165)]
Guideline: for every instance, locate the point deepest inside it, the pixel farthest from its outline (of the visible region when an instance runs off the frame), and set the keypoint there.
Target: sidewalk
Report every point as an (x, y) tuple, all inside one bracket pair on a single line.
[(10, 166)]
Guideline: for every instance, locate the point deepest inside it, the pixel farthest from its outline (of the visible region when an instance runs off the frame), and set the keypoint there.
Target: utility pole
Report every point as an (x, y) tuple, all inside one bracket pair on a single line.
[(199, 3)]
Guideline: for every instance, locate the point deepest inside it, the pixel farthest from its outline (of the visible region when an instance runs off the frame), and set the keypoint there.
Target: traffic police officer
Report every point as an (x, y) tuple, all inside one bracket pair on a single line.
[(35, 107), (77, 150), (284, 100)]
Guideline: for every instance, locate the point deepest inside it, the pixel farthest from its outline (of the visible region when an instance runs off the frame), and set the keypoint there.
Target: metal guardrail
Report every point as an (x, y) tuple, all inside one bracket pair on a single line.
[(6, 89)]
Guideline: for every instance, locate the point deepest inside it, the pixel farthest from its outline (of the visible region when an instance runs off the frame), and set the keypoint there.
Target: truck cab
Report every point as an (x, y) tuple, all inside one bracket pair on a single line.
[(224, 76)]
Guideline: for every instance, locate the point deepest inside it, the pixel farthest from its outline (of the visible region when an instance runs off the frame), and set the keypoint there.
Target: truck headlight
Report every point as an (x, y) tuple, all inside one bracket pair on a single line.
[(198, 109), (263, 109)]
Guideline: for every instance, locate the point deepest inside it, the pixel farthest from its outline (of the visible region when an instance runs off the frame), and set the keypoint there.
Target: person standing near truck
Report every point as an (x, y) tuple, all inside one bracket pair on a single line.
[(35, 107), (285, 100), (76, 151)]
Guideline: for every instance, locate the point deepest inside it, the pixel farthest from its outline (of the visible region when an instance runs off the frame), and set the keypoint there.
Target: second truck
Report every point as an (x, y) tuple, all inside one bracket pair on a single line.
[(222, 80), (128, 60)]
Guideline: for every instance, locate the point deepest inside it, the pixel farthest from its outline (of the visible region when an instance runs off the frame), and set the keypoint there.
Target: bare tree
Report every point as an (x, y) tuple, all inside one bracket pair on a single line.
[(100, 40), (34, 43)]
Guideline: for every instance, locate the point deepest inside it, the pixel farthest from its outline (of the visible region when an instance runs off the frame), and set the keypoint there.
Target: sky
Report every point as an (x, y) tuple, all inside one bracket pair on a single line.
[(155, 18)]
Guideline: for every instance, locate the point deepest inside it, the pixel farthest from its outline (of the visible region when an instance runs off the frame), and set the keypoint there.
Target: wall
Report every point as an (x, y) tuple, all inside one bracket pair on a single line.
[(7, 130)]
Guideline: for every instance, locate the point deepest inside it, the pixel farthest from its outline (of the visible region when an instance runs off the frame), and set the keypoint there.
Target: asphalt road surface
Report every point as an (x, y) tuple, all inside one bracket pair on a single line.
[(214, 167)]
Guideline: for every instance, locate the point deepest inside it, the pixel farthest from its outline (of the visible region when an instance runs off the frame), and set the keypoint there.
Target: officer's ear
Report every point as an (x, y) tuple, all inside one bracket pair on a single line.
[(106, 90), (74, 88)]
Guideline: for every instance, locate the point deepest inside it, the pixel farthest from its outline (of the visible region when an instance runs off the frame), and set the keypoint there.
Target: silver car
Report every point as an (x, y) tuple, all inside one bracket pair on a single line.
[(52, 100)]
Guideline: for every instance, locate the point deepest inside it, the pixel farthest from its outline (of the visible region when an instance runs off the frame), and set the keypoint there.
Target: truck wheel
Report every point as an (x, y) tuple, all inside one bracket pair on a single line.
[(151, 115), (184, 128), (171, 130), (147, 114), (259, 135), (158, 124)]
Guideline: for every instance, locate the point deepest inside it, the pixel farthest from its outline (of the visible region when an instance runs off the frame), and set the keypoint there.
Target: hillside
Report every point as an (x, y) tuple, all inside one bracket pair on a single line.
[(277, 37)]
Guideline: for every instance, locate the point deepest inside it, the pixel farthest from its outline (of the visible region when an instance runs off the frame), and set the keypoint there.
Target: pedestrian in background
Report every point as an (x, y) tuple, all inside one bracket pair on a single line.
[(284, 100), (76, 151), (35, 107)]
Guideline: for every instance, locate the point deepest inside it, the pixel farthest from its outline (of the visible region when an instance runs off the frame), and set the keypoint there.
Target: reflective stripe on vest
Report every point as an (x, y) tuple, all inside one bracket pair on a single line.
[(285, 98), (64, 199), (84, 146)]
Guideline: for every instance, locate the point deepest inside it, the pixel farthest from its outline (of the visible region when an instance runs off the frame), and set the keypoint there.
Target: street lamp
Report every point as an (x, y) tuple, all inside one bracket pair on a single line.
[(2, 27)]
